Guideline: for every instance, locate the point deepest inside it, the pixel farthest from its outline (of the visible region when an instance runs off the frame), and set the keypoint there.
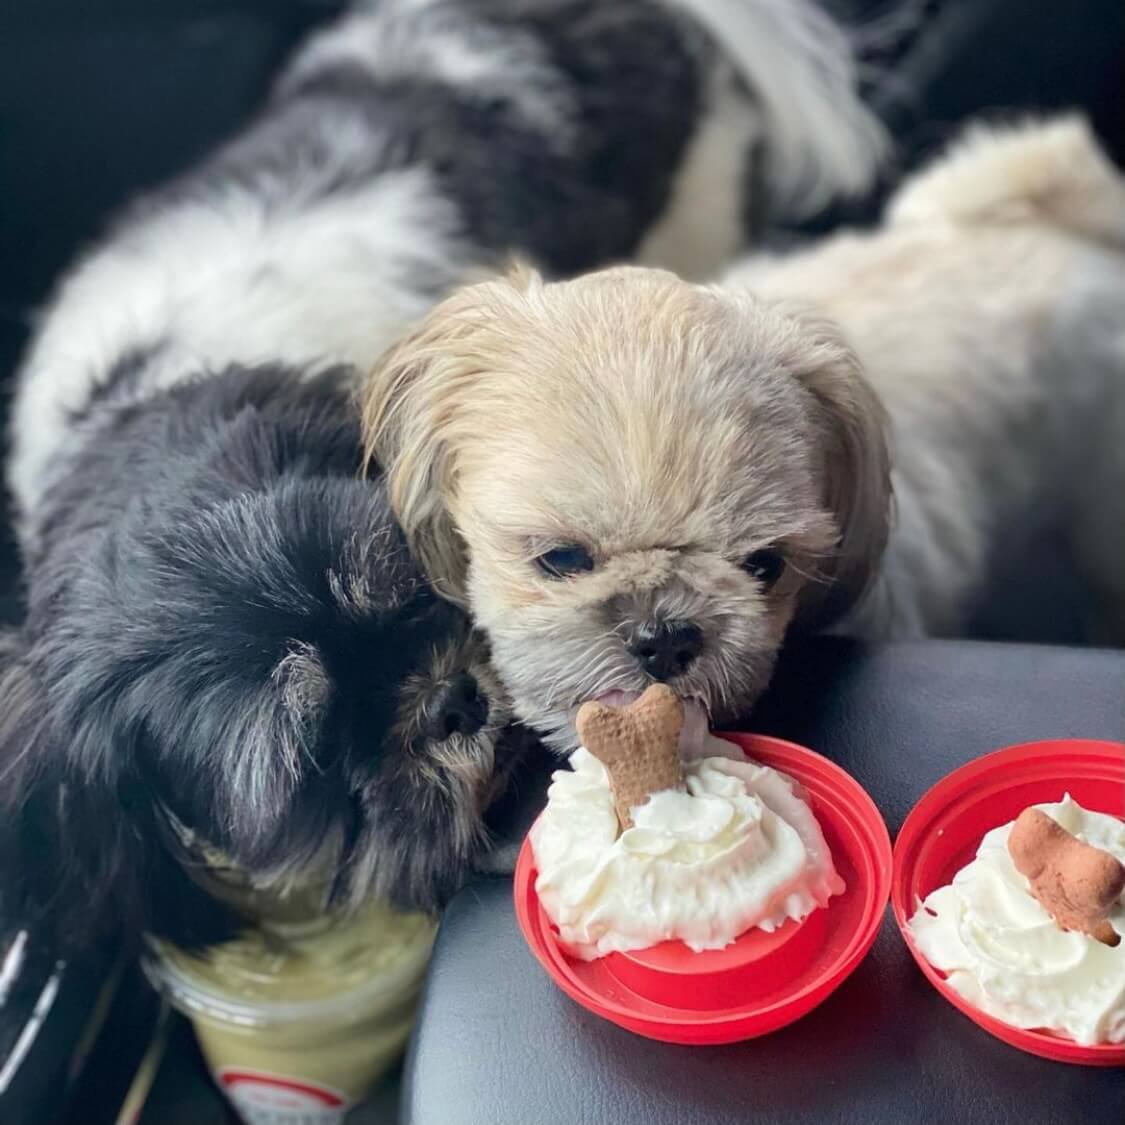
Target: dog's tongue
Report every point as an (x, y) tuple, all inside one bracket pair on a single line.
[(694, 737), (618, 698)]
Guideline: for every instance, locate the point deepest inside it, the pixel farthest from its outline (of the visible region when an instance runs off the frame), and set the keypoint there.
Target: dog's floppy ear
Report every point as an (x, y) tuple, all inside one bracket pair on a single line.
[(856, 465), (25, 808), (53, 863), (411, 417), (81, 853)]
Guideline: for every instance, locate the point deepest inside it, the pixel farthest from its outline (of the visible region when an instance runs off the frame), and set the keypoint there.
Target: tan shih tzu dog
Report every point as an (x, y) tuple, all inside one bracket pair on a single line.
[(630, 478)]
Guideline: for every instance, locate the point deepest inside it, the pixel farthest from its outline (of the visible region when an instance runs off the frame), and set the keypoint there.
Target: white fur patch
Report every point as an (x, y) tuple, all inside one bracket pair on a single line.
[(453, 49), (233, 281), (822, 140)]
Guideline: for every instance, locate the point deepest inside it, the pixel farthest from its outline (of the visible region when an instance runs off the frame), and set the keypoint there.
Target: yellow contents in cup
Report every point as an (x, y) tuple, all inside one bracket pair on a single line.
[(300, 1016)]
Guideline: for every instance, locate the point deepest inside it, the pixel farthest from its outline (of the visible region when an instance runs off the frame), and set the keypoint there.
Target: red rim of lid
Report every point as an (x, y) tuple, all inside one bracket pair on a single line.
[(843, 933), (944, 829)]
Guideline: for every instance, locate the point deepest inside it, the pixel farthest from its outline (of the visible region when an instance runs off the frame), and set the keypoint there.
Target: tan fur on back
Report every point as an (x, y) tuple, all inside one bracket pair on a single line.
[(987, 316)]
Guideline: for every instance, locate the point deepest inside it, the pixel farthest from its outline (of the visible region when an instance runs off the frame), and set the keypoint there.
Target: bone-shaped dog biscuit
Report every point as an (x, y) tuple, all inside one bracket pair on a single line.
[(1076, 883), (639, 745)]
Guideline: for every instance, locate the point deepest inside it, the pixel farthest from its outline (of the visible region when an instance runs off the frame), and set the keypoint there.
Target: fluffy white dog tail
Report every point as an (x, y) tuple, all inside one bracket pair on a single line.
[(822, 141), (1052, 172)]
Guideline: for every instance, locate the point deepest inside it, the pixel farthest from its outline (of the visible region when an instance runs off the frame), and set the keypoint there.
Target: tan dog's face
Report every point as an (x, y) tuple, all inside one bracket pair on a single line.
[(626, 478)]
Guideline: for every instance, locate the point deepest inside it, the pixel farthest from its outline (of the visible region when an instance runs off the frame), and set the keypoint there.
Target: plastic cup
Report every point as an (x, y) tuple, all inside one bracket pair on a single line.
[(944, 829), (760, 982), (309, 1059)]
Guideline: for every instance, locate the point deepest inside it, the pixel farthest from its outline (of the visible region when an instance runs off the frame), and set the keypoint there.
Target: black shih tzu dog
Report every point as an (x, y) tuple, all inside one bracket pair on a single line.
[(235, 649), (227, 647)]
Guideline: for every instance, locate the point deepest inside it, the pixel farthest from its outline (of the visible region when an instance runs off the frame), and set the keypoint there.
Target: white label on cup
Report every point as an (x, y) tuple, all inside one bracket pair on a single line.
[(273, 1099)]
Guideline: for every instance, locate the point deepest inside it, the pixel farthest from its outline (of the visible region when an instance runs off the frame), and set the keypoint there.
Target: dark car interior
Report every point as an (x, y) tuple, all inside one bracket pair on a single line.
[(102, 98)]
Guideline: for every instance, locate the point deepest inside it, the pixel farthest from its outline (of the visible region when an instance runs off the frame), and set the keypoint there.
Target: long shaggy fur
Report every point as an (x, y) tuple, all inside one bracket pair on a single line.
[(986, 313), (239, 656), (228, 647), (415, 144), (521, 417), (667, 432)]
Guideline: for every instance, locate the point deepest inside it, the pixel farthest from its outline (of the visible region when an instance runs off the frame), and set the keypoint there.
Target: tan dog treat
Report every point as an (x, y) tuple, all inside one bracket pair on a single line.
[(1076, 883), (639, 745)]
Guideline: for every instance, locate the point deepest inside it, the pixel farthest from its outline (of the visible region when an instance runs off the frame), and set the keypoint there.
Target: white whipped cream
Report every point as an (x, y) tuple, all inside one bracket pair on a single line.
[(1008, 957), (739, 849)]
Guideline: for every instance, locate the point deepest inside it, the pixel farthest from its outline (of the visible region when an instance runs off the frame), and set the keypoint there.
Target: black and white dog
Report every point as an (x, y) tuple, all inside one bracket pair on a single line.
[(227, 644)]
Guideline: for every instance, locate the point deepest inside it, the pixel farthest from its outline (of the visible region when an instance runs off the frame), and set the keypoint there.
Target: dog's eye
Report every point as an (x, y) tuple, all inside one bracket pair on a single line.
[(562, 562), (766, 565)]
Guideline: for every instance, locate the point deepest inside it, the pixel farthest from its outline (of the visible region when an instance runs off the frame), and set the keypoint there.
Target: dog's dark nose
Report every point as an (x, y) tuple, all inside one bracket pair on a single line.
[(461, 708), (667, 649)]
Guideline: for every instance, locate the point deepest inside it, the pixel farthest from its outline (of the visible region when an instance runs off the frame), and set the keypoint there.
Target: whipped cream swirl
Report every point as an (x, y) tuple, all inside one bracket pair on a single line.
[(740, 848), (1007, 956)]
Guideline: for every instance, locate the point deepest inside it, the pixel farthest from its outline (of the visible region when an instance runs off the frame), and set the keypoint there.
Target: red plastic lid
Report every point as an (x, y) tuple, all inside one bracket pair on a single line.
[(944, 830), (760, 982)]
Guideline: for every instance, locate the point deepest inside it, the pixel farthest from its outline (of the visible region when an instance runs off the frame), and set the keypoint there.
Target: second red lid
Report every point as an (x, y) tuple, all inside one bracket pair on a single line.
[(944, 830)]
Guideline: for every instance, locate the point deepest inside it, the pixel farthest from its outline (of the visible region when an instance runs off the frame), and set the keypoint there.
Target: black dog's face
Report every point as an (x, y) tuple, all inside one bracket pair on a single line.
[(310, 705), (268, 675)]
